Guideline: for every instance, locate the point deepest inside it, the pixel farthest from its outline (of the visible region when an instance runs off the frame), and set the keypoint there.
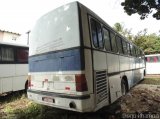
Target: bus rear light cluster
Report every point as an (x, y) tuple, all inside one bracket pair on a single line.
[(29, 81), (81, 83)]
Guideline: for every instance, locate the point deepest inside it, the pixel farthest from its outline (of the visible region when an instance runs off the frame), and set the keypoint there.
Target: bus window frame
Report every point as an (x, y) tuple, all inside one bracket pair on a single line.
[(97, 37)]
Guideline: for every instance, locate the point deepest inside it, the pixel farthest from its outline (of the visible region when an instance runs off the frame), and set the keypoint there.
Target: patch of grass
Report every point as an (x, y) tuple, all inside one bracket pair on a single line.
[(33, 111), (20, 107), (153, 81)]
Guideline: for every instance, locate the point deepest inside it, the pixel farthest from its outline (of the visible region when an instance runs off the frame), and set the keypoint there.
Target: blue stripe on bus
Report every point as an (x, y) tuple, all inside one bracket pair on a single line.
[(56, 61)]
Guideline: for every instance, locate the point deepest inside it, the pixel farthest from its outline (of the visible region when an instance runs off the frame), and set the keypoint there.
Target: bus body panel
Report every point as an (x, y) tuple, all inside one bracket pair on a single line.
[(115, 87), (14, 78), (19, 82), (0, 86), (7, 70), (13, 67), (85, 26), (7, 84), (88, 70), (82, 105), (19, 71), (113, 63), (56, 83), (124, 63)]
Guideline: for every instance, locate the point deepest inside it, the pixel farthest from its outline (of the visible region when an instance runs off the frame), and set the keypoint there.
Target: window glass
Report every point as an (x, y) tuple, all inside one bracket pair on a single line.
[(137, 52), (113, 42), (155, 59), (128, 49), (151, 59), (94, 33), (147, 59), (131, 47), (158, 58), (22, 55), (7, 54), (107, 39), (133, 50), (125, 47), (99, 33), (141, 54), (119, 45)]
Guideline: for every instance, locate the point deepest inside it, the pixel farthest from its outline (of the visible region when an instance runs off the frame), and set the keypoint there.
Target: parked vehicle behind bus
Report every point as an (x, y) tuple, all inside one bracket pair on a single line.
[(78, 62), (152, 64), (13, 67)]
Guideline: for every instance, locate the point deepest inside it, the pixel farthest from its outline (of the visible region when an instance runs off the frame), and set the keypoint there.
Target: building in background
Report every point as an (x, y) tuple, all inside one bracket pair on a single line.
[(8, 36), (13, 37)]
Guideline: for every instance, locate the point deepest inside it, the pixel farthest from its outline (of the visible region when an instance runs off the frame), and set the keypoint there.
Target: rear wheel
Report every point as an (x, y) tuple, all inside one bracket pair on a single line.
[(26, 86), (124, 87)]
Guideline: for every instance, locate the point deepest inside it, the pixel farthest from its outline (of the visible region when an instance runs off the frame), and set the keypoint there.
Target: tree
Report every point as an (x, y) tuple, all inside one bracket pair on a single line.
[(123, 31), (149, 43), (142, 7)]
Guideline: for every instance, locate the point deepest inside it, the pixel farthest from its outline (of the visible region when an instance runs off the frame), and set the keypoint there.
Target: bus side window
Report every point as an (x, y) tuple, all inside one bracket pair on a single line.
[(107, 39), (0, 54), (113, 42), (96, 34), (131, 47), (99, 34), (155, 58), (22, 55), (133, 52), (148, 59), (119, 44), (128, 49), (7, 54), (125, 47), (158, 58)]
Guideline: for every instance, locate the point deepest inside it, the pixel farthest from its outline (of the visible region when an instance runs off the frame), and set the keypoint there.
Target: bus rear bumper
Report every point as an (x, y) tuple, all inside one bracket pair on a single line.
[(82, 103)]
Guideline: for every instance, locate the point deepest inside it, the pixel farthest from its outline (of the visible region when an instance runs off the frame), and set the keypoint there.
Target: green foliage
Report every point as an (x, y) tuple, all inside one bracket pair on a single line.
[(123, 31), (149, 43), (142, 7), (153, 81)]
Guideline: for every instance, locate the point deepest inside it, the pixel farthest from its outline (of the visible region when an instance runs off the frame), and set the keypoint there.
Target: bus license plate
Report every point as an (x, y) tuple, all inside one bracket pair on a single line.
[(47, 99)]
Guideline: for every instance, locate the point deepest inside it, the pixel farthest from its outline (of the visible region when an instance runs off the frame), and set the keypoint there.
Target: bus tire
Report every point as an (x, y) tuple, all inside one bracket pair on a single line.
[(26, 86), (124, 87), (144, 72)]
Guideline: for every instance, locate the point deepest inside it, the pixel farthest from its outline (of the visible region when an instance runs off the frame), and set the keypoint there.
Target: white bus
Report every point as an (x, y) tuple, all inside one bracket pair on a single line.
[(13, 67), (78, 62), (152, 64)]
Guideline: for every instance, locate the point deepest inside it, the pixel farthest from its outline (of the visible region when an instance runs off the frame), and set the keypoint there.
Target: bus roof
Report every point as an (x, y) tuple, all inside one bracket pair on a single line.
[(152, 55), (13, 44)]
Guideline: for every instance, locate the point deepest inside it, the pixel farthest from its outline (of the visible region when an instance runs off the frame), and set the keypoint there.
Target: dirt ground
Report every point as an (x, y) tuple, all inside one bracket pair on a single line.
[(142, 102), (142, 98)]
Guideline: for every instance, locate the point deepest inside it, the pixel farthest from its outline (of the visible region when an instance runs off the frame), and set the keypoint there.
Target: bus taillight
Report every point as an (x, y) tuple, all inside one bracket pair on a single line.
[(81, 83), (29, 81)]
